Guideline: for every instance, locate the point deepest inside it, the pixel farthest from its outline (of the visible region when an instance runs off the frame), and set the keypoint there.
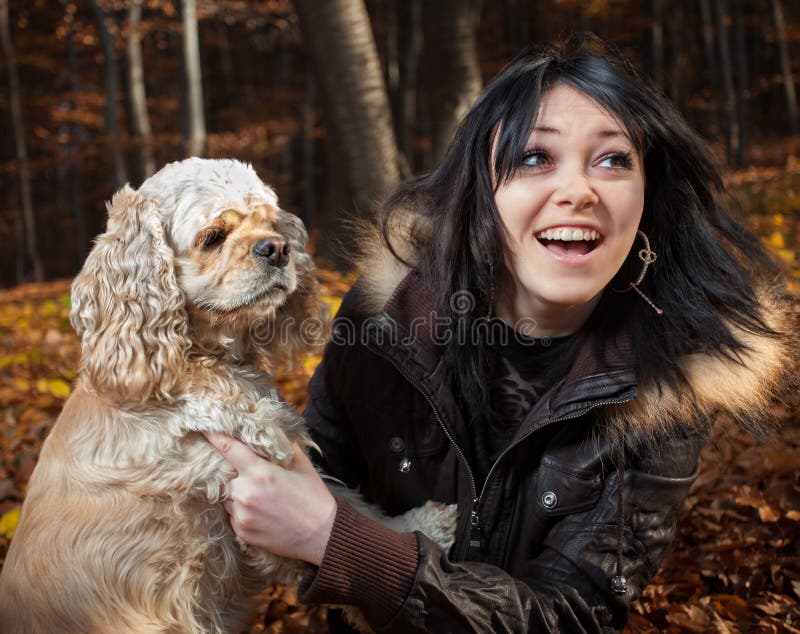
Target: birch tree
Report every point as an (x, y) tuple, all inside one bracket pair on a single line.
[(353, 91), (136, 88), (194, 79)]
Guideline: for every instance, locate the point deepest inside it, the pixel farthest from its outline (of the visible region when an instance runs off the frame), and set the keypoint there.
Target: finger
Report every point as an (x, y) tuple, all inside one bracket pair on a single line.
[(235, 452)]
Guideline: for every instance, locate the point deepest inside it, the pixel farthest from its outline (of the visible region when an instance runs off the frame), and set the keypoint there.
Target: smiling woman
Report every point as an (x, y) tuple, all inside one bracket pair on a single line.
[(568, 433)]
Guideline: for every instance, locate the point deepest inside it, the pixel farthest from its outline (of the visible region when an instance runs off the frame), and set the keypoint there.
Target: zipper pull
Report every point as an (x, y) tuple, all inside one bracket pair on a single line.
[(475, 526)]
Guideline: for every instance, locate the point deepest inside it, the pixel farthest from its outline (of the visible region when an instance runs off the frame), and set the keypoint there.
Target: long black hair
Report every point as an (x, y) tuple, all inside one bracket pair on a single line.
[(709, 267)]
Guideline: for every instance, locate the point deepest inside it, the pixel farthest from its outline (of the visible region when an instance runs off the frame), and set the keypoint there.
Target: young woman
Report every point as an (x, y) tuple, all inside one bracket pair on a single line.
[(558, 313)]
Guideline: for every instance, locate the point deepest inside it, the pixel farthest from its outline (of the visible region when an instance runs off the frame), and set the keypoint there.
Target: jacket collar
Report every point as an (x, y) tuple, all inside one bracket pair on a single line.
[(600, 373)]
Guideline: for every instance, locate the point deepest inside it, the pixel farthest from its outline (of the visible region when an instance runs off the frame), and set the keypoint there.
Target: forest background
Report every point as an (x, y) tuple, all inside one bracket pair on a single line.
[(334, 102)]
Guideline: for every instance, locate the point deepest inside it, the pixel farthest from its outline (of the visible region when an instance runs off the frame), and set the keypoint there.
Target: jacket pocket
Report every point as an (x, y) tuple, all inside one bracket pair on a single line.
[(411, 431), (563, 488)]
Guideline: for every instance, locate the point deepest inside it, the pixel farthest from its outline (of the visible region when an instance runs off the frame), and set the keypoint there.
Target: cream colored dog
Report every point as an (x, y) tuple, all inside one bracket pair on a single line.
[(199, 277)]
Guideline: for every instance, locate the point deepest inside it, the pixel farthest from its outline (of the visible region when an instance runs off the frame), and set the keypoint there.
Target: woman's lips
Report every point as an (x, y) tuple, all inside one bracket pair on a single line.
[(570, 244)]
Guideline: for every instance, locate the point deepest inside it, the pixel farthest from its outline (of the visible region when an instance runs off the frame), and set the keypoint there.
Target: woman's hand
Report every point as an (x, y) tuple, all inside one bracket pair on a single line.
[(288, 512)]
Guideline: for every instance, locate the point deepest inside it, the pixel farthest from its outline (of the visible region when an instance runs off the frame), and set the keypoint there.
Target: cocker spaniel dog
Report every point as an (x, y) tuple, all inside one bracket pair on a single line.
[(199, 279)]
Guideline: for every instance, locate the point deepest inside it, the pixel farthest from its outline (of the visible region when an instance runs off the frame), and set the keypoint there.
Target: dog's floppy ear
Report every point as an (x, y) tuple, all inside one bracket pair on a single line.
[(301, 324), (128, 308)]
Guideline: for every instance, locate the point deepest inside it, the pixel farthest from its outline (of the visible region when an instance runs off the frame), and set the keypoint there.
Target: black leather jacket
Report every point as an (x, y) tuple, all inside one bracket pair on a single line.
[(539, 543)]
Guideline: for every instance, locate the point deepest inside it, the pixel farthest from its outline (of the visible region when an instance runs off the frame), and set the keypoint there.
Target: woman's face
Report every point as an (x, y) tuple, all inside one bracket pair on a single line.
[(571, 213)]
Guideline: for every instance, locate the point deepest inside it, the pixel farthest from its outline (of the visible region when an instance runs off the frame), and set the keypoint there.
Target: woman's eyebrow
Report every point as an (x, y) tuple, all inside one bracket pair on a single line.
[(611, 133), (601, 133)]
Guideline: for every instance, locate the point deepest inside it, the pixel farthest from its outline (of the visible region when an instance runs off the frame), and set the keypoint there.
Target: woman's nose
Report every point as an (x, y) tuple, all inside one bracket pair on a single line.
[(576, 191)]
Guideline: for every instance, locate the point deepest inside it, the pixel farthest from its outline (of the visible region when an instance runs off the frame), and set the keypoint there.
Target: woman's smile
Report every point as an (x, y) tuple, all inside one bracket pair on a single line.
[(570, 244)]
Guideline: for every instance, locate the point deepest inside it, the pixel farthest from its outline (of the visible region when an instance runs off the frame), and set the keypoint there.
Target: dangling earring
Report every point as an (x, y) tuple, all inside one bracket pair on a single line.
[(647, 256)]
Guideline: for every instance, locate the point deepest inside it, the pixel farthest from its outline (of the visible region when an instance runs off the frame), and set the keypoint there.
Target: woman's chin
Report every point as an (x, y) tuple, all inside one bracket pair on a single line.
[(565, 298)]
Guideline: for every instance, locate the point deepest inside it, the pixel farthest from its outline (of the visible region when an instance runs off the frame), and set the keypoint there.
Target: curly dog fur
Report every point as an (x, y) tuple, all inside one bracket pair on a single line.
[(198, 281)]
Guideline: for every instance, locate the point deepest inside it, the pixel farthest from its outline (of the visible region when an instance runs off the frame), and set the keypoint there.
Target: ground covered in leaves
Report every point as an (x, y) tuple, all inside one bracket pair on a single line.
[(735, 566)]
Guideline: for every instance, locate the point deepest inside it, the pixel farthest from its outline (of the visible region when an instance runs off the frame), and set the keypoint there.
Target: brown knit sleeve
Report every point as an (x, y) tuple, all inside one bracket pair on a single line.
[(365, 564)]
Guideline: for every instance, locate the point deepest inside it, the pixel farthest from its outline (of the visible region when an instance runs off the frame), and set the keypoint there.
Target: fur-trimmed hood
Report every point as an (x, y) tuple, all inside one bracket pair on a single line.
[(744, 387)]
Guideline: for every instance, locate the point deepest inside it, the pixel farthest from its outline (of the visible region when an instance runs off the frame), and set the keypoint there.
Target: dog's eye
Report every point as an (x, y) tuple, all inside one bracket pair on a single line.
[(214, 238)]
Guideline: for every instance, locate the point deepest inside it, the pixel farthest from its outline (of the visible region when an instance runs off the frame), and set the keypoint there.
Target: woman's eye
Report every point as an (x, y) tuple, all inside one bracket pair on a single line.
[(214, 238), (617, 161), (536, 158)]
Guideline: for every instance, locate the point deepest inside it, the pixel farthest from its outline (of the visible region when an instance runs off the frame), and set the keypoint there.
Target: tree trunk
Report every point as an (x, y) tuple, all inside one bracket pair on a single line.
[(225, 55), (723, 41), (405, 100), (742, 81), (657, 41), (28, 224), (136, 86), (392, 55), (786, 65), (711, 64), (283, 81), (74, 149), (678, 56), (112, 90), (308, 154), (454, 79), (194, 80), (355, 104), (517, 27)]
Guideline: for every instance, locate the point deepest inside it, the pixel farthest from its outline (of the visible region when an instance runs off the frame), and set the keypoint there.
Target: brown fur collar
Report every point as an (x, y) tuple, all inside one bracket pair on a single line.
[(745, 388)]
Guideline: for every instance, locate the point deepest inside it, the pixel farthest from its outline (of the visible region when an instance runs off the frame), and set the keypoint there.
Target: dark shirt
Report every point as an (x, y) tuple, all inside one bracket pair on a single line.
[(523, 369)]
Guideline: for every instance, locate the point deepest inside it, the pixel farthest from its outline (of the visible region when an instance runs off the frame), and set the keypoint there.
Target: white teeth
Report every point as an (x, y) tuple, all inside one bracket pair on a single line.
[(568, 235)]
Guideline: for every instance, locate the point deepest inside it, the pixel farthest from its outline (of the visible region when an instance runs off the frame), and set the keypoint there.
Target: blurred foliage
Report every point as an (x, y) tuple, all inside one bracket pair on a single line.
[(263, 103)]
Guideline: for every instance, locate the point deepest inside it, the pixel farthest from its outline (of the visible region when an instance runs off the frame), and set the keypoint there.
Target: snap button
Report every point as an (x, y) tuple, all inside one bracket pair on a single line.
[(619, 584), (397, 444), (405, 465), (549, 500)]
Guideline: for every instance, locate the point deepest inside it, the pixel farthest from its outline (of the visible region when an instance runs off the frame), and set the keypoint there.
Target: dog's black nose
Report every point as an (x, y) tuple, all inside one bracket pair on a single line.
[(275, 250)]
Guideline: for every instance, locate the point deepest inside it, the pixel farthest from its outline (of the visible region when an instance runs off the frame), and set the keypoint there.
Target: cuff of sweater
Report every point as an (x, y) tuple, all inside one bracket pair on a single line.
[(365, 564)]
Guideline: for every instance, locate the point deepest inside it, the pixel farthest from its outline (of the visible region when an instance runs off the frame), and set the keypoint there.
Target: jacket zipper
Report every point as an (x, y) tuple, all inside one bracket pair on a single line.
[(475, 514), (473, 536), (474, 517)]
